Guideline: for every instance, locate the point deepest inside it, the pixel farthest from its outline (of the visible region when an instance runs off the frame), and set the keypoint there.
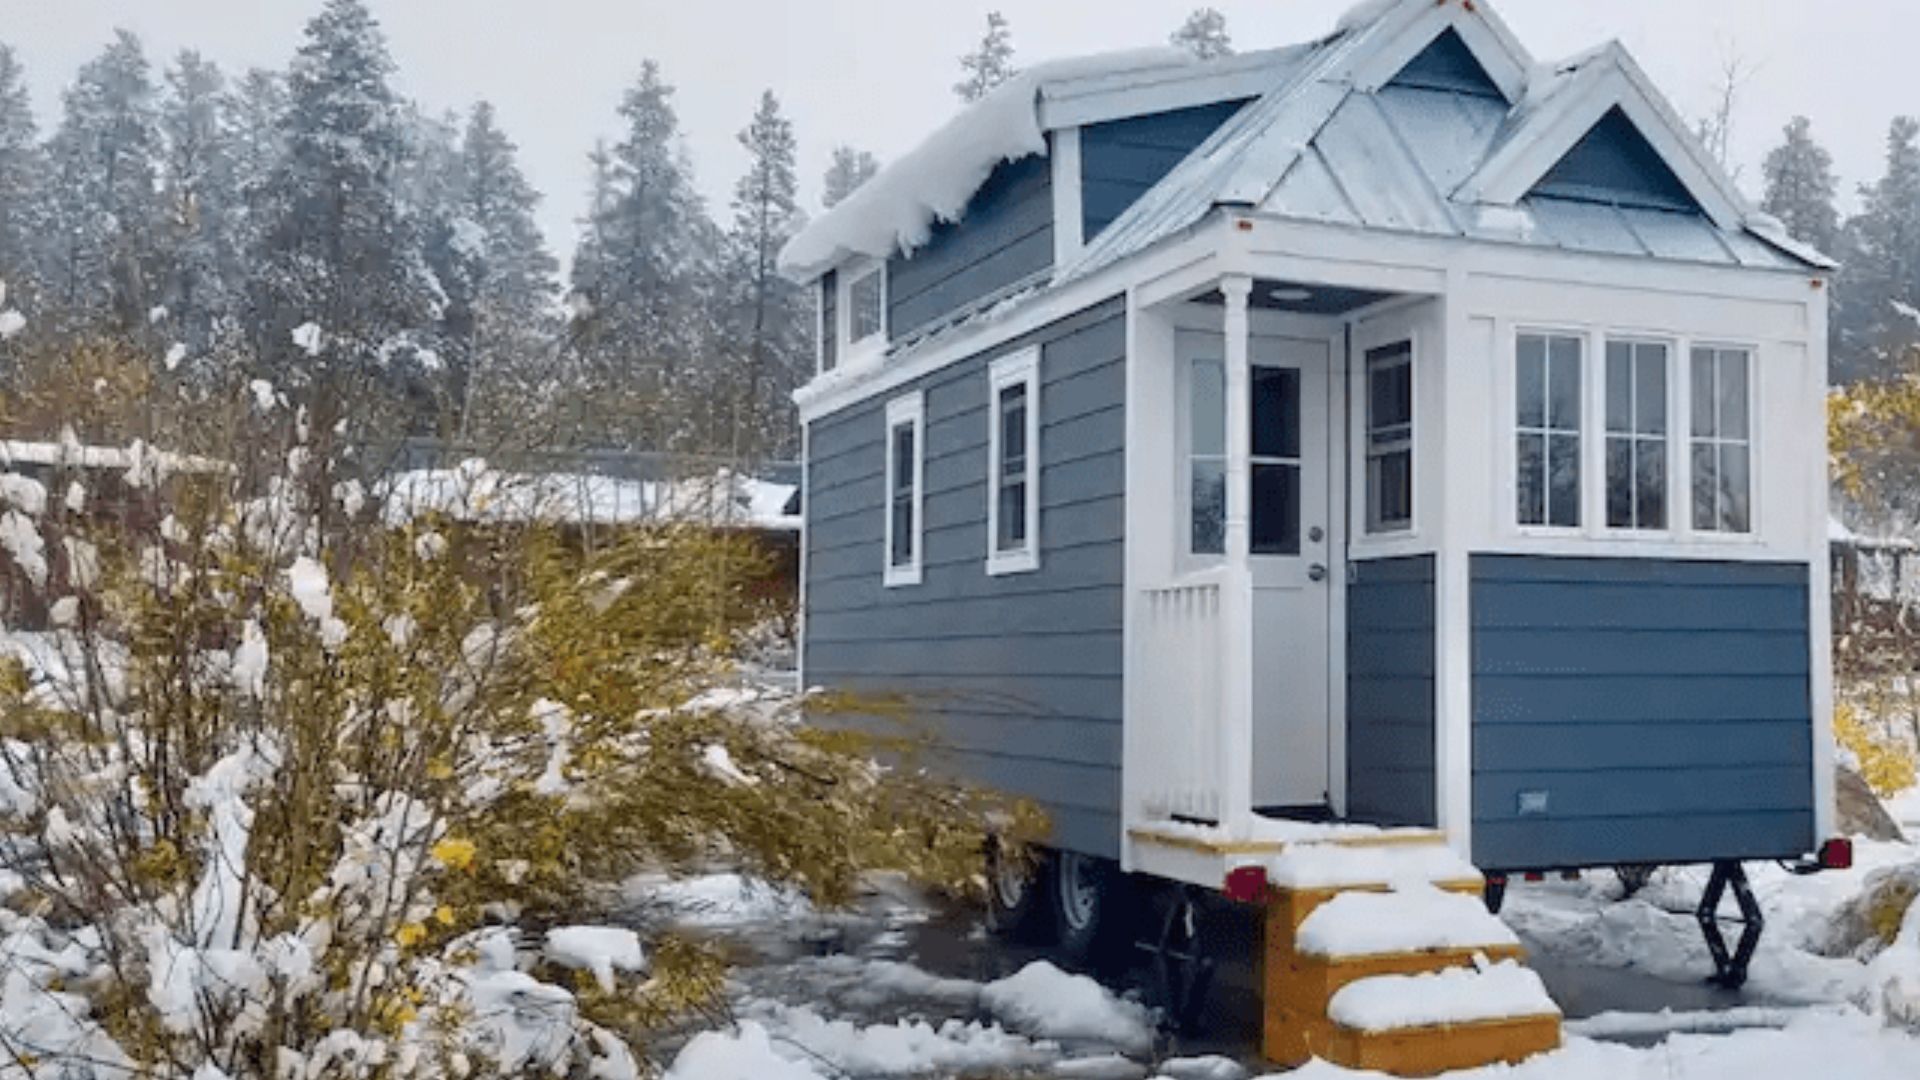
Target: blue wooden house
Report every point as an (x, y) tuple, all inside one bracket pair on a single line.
[(1390, 429)]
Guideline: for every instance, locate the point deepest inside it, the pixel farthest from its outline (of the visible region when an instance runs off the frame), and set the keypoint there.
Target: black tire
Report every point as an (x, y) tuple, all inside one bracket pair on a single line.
[(1017, 893), (1634, 877), (1089, 907)]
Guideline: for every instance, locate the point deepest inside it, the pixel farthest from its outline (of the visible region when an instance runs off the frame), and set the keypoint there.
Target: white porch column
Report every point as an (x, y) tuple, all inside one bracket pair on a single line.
[(1236, 600)]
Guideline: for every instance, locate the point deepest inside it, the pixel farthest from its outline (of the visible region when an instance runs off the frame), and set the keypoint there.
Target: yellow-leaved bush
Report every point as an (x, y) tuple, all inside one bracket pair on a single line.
[(299, 772)]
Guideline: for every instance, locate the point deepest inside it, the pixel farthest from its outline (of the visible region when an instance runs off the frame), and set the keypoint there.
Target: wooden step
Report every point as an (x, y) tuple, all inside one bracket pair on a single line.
[(1443, 1048), (1298, 989)]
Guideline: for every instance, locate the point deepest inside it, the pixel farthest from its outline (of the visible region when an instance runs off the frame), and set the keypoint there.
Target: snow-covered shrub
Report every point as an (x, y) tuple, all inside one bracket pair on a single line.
[(291, 790)]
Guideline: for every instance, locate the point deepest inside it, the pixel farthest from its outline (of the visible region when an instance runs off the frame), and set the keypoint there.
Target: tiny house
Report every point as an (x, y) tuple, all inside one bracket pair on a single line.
[(1390, 429)]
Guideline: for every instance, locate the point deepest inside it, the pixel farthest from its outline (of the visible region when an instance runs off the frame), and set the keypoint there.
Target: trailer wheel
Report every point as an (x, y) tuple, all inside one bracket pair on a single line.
[(1086, 904), (1017, 887)]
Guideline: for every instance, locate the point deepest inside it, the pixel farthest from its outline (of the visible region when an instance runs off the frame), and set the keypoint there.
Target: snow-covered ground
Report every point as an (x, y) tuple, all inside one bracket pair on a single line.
[(905, 987)]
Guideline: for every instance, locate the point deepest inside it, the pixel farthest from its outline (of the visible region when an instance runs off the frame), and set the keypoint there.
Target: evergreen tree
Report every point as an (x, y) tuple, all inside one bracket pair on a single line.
[(638, 282), (500, 304), (849, 170), (766, 317), (1875, 335), (102, 232), (202, 265), (1801, 187), (1204, 34), (990, 63), (21, 187), (339, 249)]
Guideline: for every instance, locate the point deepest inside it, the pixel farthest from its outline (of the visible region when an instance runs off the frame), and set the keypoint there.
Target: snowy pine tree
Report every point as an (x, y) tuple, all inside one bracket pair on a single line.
[(638, 280), (21, 187), (990, 63), (766, 340), (1204, 34), (500, 309), (1875, 332), (1801, 187), (201, 269), (103, 229), (339, 249), (849, 170)]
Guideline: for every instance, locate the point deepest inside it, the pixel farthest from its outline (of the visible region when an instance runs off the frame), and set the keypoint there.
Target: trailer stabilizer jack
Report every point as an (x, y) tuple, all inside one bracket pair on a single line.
[(1730, 971)]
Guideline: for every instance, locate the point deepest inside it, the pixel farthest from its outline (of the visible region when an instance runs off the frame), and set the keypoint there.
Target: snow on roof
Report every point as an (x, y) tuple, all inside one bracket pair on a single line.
[(897, 209), (473, 491)]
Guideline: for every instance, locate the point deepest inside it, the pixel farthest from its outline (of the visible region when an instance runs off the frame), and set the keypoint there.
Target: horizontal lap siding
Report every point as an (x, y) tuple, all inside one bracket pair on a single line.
[(1005, 237), (1121, 160), (1017, 679), (1663, 707), (1390, 692)]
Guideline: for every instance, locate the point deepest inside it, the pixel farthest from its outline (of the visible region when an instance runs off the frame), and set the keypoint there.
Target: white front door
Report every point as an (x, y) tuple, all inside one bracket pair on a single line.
[(1292, 544), (1292, 567)]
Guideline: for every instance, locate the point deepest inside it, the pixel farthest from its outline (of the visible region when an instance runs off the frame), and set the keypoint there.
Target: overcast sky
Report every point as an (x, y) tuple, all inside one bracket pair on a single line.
[(878, 73)]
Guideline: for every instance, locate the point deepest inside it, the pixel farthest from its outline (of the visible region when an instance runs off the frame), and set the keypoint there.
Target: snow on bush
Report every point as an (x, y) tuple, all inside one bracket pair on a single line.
[(283, 791)]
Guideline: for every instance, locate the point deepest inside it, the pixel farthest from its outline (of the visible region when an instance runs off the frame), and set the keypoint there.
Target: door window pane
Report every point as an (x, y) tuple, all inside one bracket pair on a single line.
[(1276, 412), (1276, 509)]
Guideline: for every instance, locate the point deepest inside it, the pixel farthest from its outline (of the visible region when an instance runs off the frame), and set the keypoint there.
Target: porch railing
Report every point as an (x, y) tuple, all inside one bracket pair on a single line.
[(1181, 726)]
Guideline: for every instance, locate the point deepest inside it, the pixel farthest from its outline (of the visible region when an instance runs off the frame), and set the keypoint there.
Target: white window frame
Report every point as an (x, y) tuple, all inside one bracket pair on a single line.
[(1397, 529), (1607, 434), (909, 410), (1584, 409), (862, 350), (1015, 369), (823, 334), (1752, 441)]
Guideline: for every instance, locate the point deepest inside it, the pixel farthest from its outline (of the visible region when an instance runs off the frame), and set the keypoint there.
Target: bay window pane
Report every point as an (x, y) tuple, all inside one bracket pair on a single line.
[(1563, 481), (1735, 498), (1703, 395), (1650, 390), (1532, 479), (1531, 376), (1706, 487), (1650, 485), (1563, 387), (1619, 387), (1733, 395)]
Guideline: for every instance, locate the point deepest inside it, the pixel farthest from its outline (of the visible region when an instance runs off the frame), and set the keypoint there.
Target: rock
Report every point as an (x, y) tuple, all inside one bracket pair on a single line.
[(1870, 923), (1861, 811)]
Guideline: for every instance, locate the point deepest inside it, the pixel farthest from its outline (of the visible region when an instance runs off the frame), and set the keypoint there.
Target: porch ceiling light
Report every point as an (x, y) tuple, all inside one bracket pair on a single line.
[(1288, 295)]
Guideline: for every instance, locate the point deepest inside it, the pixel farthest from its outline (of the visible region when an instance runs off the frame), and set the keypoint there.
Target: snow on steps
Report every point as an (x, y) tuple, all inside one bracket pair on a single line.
[(1411, 978)]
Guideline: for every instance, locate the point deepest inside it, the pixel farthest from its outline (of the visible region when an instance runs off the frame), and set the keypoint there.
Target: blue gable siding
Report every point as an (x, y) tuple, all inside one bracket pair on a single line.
[(1004, 239), (1390, 692), (1448, 64), (1018, 676), (1615, 164), (1661, 710), (1121, 160)]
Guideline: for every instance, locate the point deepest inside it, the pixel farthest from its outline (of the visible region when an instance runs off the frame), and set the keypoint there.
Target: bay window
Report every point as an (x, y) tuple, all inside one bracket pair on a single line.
[(1637, 435), (1722, 425), (1547, 428)]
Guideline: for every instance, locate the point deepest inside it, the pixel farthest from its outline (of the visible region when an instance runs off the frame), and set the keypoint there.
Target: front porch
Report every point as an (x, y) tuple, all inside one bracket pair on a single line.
[(1266, 402)]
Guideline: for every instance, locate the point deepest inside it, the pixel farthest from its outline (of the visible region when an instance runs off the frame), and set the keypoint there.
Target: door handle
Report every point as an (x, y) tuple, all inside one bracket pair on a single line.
[(1317, 572)]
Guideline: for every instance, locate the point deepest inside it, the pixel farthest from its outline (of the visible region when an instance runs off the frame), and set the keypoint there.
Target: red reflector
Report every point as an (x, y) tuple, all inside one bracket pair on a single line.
[(1247, 884), (1837, 854), (1534, 875)]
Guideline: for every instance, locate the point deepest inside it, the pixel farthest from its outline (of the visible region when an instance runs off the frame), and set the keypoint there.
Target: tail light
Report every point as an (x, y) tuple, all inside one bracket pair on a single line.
[(1837, 854), (1246, 884)]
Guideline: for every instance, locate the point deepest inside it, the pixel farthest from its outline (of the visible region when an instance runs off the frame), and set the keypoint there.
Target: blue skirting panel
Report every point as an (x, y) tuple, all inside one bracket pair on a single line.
[(1639, 711), (1390, 692)]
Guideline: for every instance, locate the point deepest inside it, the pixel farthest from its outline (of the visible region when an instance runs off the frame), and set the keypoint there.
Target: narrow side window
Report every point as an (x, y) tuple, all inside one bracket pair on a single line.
[(1547, 430), (906, 497), (829, 320), (1637, 459), (1013, 464), (1722, 391), (867, 306), (1390, 438), (1207, 458)]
